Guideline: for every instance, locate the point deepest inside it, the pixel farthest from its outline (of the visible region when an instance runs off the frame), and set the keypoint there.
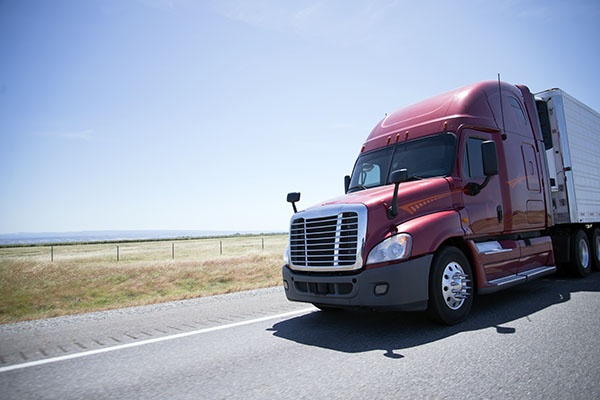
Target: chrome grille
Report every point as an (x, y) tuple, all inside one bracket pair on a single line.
[(326, 242)]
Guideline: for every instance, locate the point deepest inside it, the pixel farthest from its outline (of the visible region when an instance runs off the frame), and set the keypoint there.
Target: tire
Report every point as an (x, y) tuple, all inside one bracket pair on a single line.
[(595, 244), (581, 256), (450, 293)]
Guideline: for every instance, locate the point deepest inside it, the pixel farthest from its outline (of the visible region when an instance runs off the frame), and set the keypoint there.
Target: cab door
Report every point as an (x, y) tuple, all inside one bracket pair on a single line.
[(485, 209)]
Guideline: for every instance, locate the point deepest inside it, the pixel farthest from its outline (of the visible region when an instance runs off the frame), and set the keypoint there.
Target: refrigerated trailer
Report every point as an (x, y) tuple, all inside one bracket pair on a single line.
[(572, 140), (469, 192)]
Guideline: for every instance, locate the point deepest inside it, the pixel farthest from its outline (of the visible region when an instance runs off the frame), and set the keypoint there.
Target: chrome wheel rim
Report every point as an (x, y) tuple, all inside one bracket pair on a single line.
[(455, 289), (584, 254)]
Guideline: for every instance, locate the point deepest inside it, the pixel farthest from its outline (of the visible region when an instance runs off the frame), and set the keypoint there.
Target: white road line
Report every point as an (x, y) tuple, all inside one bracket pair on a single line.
[(150, 341)]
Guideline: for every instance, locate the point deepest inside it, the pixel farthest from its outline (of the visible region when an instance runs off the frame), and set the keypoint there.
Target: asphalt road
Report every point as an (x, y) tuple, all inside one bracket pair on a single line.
[(535, 341)]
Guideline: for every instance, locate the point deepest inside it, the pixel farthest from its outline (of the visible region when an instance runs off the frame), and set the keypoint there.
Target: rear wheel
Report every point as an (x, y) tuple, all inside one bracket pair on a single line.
[(581, 257), (595, 244), (450, 293)]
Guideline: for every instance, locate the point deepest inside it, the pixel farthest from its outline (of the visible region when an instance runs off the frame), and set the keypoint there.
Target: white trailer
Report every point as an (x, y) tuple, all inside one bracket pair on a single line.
[(571, 133), (573, 156)]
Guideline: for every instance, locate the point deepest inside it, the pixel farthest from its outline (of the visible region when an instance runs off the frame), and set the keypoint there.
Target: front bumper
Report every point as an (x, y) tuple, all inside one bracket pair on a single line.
[(407, 287)]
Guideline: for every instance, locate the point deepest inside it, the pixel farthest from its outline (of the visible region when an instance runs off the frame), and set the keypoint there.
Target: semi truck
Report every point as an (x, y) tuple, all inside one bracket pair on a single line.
[(466, 193)]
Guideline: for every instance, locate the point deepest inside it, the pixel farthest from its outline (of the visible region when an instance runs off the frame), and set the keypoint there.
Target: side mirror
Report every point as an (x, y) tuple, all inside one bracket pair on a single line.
[(293, 198), (346, 183), (490, 158), (396, 177)]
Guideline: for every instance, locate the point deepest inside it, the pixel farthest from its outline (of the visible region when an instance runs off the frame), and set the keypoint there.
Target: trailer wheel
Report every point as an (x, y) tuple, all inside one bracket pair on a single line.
[(581, 258), (450, 293), (595, 244)]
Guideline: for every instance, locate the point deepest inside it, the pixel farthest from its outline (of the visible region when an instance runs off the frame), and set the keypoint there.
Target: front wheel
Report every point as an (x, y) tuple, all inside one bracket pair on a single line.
[(450, 293)]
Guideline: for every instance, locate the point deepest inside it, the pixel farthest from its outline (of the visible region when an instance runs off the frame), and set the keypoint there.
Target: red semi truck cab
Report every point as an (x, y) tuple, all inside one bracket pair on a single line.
[(448, 197)]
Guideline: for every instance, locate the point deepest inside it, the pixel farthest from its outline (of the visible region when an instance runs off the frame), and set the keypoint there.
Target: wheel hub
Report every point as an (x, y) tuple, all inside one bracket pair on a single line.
[(455, 286)]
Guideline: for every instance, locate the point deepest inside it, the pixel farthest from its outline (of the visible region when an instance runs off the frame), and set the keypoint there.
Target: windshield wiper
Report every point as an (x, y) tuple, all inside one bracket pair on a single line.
[(357, 188)]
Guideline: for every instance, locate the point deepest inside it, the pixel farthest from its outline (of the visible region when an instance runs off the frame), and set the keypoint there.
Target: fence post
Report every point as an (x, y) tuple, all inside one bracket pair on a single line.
[(52, 253), (172, 251), (117, 253), (221, 247), (263, 243)]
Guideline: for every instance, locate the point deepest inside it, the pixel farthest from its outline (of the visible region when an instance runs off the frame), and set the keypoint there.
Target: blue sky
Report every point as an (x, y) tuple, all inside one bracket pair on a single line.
[(180, 114)]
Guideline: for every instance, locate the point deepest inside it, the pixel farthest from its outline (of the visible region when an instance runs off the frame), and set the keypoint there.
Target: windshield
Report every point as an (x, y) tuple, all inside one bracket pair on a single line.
[(422, 158)]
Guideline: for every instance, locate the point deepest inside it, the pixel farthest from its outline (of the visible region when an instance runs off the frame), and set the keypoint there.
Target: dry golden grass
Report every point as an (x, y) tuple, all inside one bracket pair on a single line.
[(84, 278)]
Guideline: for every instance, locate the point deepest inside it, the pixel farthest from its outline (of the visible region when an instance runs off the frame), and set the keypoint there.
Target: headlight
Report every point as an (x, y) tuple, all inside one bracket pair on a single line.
[(396, 247)]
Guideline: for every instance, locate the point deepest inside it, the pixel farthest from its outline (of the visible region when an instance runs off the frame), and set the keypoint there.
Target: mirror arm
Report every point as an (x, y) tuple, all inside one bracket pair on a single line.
[(485, 182), (397, 177), (393, 210), (473, 188), (293, 198)]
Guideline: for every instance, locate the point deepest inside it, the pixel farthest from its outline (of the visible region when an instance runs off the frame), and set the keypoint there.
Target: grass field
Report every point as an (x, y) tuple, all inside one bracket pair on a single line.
[(44, 281)]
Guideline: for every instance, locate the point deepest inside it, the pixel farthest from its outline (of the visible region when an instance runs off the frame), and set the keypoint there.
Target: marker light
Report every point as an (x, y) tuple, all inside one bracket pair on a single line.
[(286, 255)]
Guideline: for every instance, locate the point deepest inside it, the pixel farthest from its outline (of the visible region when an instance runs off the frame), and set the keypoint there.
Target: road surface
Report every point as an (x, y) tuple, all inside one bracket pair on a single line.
[(538, 340)]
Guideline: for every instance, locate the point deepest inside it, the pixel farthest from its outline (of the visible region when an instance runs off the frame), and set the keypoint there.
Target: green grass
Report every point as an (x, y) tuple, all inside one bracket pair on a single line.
[(88, 277)]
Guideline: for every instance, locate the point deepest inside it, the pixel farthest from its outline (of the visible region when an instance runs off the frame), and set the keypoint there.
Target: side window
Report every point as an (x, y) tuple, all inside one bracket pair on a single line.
[(531, 171), (370, 175), (517, 110), (472, 159), (371, 169)]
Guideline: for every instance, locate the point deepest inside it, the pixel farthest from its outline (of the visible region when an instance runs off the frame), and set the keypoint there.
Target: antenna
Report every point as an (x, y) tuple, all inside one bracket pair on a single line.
[(501, 108)]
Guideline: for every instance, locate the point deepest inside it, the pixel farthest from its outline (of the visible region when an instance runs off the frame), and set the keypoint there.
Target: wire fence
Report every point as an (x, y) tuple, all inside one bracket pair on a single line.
[(188, 249)]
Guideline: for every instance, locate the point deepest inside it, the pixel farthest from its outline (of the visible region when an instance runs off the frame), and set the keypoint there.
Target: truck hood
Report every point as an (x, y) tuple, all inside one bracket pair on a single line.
[(414, 198)]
